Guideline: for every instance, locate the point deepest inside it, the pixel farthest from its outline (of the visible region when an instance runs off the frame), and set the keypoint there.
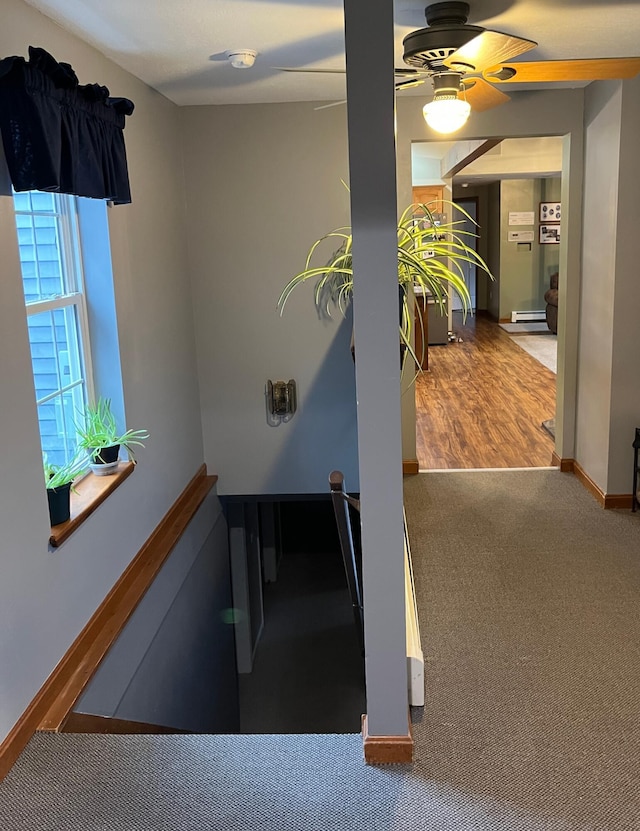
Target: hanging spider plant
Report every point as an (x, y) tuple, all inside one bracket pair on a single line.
[(431, 255)]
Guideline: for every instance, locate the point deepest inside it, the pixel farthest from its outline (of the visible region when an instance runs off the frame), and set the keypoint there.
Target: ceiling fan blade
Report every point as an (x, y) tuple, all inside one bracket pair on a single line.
[(410, 82), (488, 49), (481, 95), (405, 71), (396, 71), (302, 69), (597, 69), (333, 104)]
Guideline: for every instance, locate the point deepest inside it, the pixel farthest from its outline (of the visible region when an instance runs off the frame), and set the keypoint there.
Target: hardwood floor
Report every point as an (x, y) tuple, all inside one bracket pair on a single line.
[(482, 402)]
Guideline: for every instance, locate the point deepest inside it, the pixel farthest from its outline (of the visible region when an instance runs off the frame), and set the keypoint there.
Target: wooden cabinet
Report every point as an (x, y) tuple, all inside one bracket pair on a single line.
[(430, 195), (421, 337)]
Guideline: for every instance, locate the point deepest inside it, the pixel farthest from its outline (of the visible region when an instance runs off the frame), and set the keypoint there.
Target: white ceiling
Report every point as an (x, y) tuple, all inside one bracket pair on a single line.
[(520, 158), (178, 46)]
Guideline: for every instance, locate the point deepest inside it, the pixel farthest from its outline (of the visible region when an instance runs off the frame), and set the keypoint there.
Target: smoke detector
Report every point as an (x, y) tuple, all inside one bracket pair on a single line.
[(242, 58)]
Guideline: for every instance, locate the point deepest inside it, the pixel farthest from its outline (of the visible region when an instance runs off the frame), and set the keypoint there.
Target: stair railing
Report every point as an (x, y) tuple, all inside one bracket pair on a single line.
[(341, 501)]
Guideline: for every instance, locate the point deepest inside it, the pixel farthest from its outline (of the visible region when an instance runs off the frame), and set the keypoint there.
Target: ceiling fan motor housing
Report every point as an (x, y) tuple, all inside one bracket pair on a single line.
[(446, 32), (450, 13), (428, 48)]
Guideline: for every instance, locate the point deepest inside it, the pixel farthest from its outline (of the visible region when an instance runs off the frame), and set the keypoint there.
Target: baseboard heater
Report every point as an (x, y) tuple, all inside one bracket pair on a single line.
[(415, 659), (521, 317)]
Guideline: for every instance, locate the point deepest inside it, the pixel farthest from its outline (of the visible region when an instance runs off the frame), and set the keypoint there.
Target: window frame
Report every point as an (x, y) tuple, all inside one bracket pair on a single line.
[(73, 296)]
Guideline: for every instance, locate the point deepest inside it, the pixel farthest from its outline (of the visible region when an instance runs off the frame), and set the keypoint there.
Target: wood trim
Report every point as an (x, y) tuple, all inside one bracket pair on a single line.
[(622, 501), (584, 479), (87, 723), (93, 643), (58, 694), (90, 492), (609, 501), (565, 465), (386, 750), (410, 467)]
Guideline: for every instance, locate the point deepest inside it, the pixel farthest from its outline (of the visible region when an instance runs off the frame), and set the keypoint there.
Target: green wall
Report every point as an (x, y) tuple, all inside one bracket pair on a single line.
[(525, 269), (550, 254)]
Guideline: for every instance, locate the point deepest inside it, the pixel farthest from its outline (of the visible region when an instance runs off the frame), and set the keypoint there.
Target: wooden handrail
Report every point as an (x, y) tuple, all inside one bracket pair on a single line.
[(92, 644), (336, 483), (58, 694)]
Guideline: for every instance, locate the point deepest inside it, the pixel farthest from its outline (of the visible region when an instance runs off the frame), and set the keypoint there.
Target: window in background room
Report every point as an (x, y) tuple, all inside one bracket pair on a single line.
[(51, 262)]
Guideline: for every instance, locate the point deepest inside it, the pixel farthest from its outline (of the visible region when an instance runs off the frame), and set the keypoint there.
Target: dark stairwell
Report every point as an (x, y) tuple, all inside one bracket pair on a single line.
[(308, 675)]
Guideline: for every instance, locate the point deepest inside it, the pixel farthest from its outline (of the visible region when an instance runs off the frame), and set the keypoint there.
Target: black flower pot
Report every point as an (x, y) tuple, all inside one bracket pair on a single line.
[(106, 456), (59, 503)]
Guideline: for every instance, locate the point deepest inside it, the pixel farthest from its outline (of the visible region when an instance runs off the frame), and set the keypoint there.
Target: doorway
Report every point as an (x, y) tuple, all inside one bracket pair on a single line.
[(484, 399), (468, 219)]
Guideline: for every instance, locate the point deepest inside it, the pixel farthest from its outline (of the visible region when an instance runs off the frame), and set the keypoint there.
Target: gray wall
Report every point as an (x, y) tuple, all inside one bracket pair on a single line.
[(602, 137), (523, 275), (494, 250), (46, 597), (481, 194), (608, 388), (174, 662), (263, 183), (625, 415)]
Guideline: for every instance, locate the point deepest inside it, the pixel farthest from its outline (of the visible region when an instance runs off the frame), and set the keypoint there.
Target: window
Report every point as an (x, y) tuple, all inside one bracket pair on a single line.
[(50, 257)]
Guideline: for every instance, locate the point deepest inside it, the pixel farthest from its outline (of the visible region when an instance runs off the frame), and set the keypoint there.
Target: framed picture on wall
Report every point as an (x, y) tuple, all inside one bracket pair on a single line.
[(549, 234), (550, 211)]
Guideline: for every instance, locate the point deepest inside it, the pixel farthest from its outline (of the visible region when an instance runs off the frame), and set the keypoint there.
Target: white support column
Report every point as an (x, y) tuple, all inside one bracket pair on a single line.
[(370, 92)]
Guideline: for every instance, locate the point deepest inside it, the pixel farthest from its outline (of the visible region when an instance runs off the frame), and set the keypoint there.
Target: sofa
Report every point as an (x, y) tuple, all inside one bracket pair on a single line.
[(551, 299)]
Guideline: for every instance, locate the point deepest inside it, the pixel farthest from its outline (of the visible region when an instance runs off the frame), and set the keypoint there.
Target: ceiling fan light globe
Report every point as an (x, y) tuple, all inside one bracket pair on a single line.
[(446, 115)]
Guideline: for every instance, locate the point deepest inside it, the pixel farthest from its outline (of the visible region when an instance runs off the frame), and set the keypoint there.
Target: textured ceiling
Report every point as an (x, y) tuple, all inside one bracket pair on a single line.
[(178, 46)]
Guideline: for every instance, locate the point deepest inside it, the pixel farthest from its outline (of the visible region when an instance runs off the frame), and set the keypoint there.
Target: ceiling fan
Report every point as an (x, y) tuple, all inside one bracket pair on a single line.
[(468, 63)]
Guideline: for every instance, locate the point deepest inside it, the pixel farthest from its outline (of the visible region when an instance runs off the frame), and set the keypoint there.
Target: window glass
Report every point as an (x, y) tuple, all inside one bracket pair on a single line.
[(55, 304)]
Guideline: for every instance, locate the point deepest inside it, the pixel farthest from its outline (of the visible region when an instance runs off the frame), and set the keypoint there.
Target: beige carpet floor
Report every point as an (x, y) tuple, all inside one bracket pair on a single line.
[(529, 594)]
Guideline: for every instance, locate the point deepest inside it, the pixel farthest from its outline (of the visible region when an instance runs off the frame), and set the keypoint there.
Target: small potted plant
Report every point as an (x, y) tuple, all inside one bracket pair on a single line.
[(59, 482), (98, 433)]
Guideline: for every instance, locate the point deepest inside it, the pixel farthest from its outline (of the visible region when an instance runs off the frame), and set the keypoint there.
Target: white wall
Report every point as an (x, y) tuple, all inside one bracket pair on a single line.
[(46, 597), (263, 183), (426, 171), (523, 158)]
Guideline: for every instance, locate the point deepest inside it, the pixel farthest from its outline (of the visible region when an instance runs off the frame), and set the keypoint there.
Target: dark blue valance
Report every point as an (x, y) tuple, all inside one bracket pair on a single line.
[(59, 135)]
